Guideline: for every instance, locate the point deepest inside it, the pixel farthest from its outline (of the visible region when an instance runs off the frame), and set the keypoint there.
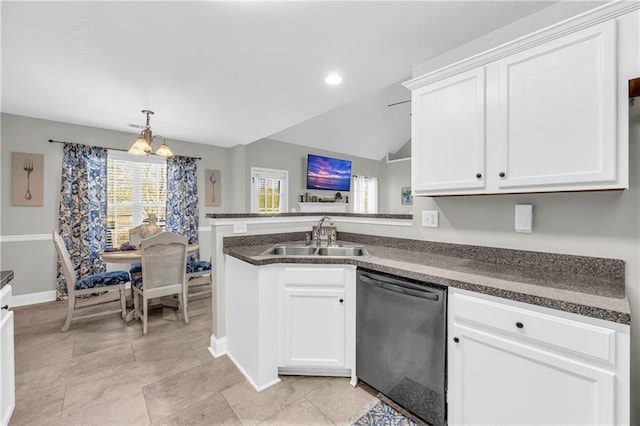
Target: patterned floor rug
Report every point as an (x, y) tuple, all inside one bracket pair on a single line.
[(382, 414)]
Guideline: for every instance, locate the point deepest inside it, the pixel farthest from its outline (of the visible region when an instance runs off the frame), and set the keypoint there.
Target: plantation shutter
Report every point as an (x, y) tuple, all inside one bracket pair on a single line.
[(269, 190), (136, 187)]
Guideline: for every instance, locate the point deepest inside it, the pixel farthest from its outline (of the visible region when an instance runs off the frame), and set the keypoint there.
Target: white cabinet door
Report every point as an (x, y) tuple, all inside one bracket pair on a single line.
[(448, 133), (496, 381), (7, 362), (556, 119), (314, 327)]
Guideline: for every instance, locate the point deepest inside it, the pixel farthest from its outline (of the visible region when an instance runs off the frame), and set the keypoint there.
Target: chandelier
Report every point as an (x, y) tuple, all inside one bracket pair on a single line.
[(144, 144)]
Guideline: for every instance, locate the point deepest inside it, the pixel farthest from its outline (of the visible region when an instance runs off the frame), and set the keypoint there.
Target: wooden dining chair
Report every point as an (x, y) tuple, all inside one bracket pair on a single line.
[(164, 260), (112, 282)]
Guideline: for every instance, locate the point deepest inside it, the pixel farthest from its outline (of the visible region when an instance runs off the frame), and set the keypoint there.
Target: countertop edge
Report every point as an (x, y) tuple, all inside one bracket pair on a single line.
[(618, 312)]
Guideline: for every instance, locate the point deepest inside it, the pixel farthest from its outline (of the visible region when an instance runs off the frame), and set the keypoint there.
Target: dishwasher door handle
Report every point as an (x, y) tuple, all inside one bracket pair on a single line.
[(423, 294)]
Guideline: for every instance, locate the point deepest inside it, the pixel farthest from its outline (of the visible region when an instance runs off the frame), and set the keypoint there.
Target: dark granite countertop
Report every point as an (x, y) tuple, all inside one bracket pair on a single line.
[(332, 214), (587, 286), (5, 277)]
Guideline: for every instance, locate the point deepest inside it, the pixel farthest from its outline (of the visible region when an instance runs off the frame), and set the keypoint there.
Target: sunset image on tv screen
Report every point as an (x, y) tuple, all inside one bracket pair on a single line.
[(328, 173)]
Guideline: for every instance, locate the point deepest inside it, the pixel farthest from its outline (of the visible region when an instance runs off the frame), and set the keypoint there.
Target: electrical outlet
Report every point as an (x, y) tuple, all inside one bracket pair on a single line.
[(430, 219), (239, 228)]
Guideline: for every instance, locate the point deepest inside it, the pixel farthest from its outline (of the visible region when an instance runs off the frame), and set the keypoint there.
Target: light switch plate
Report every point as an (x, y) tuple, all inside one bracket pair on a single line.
[(524, 218), (430, 219), (239, 228)]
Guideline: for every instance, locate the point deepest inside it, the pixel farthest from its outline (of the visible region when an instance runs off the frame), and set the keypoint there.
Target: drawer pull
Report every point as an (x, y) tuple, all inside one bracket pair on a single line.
[(519, 324), (502, 174), (478, 175), (455, 339), (5, 307), (341, 300)]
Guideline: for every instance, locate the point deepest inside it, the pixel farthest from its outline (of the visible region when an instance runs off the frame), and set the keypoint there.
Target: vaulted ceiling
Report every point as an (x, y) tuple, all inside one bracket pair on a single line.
[(227, 73)]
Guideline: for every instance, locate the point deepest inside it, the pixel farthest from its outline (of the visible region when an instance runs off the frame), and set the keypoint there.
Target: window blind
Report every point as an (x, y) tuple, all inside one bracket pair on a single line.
[(365, 194), (136, 187), (269, 190)]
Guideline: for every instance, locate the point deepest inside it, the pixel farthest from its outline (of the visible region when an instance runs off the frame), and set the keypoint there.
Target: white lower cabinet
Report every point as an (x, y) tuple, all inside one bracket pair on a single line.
[(7, 369), (313, 327), (317, 321), (290, 319), (514, 364)]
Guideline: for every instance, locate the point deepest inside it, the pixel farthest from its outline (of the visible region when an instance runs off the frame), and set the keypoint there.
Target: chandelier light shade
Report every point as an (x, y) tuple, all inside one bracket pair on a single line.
[(144, 144)]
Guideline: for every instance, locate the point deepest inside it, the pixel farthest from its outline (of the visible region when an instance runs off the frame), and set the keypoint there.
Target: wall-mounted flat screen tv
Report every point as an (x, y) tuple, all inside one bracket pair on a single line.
[(327, 173)]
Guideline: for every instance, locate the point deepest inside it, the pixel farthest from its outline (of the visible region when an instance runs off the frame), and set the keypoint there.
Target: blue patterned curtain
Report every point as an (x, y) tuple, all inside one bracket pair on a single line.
[(83, 210), (182, 197)]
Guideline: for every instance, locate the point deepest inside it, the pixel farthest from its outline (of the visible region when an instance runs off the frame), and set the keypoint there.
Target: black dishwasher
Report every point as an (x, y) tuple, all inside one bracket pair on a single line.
[(401, 342)]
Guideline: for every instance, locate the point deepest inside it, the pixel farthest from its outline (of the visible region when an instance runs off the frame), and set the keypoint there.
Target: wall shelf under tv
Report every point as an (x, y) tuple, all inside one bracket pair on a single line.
[(324, 207)]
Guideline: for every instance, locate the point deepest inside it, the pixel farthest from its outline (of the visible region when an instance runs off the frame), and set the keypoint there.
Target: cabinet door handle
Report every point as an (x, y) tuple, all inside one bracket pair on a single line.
[(341, 300), (478, 175), (502, 174), (455, 339), (5, 307), (519, 324)]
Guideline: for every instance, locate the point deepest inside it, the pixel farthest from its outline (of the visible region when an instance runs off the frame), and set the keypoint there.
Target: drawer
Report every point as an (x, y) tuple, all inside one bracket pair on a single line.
[(314, 276), (5, 299), (575, 336)]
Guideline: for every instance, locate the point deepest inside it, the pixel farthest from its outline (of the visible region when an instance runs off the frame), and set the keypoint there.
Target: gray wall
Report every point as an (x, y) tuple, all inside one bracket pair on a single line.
[(33, 258), (286, 156), (397, 175)]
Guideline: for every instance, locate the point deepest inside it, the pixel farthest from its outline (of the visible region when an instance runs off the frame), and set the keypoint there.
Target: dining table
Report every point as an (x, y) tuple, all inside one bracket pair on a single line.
[(135, 256)]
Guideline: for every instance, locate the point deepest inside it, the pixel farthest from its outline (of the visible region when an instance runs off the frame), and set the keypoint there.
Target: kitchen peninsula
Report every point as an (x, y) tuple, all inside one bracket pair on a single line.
[(565, 317)]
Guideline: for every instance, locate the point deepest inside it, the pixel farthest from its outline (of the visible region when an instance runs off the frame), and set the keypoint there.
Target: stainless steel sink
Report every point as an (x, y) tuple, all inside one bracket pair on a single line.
[(296, 250), (341, 251), (291, 251)]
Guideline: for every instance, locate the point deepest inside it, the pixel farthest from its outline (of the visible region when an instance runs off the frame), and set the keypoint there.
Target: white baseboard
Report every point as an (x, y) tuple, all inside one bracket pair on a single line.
[(249, 379), (33, 298), (218, 346)]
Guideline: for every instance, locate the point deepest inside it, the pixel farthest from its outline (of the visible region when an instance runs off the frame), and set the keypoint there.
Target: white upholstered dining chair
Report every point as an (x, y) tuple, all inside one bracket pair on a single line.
[(111, 283), (164, 259)]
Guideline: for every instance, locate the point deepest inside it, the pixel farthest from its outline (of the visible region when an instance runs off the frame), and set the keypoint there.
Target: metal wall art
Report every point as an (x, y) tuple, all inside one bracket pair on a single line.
[(212, 188), (27, 179)]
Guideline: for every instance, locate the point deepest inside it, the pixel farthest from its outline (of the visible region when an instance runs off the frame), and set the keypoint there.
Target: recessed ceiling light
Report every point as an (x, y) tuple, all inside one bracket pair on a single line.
[(333, 79)]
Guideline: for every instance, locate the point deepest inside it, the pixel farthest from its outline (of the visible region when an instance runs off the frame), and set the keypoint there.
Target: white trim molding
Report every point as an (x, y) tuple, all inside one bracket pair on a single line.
[(33, 298), (311, 219), (218, 347), (249, 379), (24, 238)]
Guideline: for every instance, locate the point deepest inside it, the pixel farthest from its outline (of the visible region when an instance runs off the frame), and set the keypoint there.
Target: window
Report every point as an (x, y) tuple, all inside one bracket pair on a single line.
[(136, 186), (269, 189), (365, 194)]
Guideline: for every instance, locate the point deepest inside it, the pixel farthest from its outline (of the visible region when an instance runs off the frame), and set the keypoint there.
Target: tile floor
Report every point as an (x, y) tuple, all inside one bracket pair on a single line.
[(104, 372)]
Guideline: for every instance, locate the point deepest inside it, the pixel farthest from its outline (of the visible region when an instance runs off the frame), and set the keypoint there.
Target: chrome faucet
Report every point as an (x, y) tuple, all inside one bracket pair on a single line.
[(319, 229)]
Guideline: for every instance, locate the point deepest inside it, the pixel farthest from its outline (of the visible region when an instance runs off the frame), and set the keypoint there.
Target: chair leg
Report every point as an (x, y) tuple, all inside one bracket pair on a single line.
[(70, 308), (136, 308), (123, 301), (145, 302), (183, 302)]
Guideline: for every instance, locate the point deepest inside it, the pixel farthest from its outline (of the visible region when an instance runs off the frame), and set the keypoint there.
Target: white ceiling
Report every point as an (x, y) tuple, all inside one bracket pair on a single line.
[(227, 73)]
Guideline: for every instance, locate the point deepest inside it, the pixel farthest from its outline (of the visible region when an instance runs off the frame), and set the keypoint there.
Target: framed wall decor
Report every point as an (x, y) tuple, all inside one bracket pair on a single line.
[(212, 188), (27, 179), (406, 197)]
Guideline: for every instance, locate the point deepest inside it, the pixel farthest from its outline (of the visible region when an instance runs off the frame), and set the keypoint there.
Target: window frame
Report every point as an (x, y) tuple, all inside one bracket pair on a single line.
[(137, 208), (263, 172)]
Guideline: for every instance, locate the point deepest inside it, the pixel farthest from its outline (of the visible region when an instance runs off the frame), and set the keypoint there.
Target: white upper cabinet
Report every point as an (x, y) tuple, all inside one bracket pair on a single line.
[(449, 120), (547, 112), (557, 113)]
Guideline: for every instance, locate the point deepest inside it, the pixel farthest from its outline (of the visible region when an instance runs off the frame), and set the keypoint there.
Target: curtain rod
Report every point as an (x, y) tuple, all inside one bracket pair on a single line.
[(112, 149)]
